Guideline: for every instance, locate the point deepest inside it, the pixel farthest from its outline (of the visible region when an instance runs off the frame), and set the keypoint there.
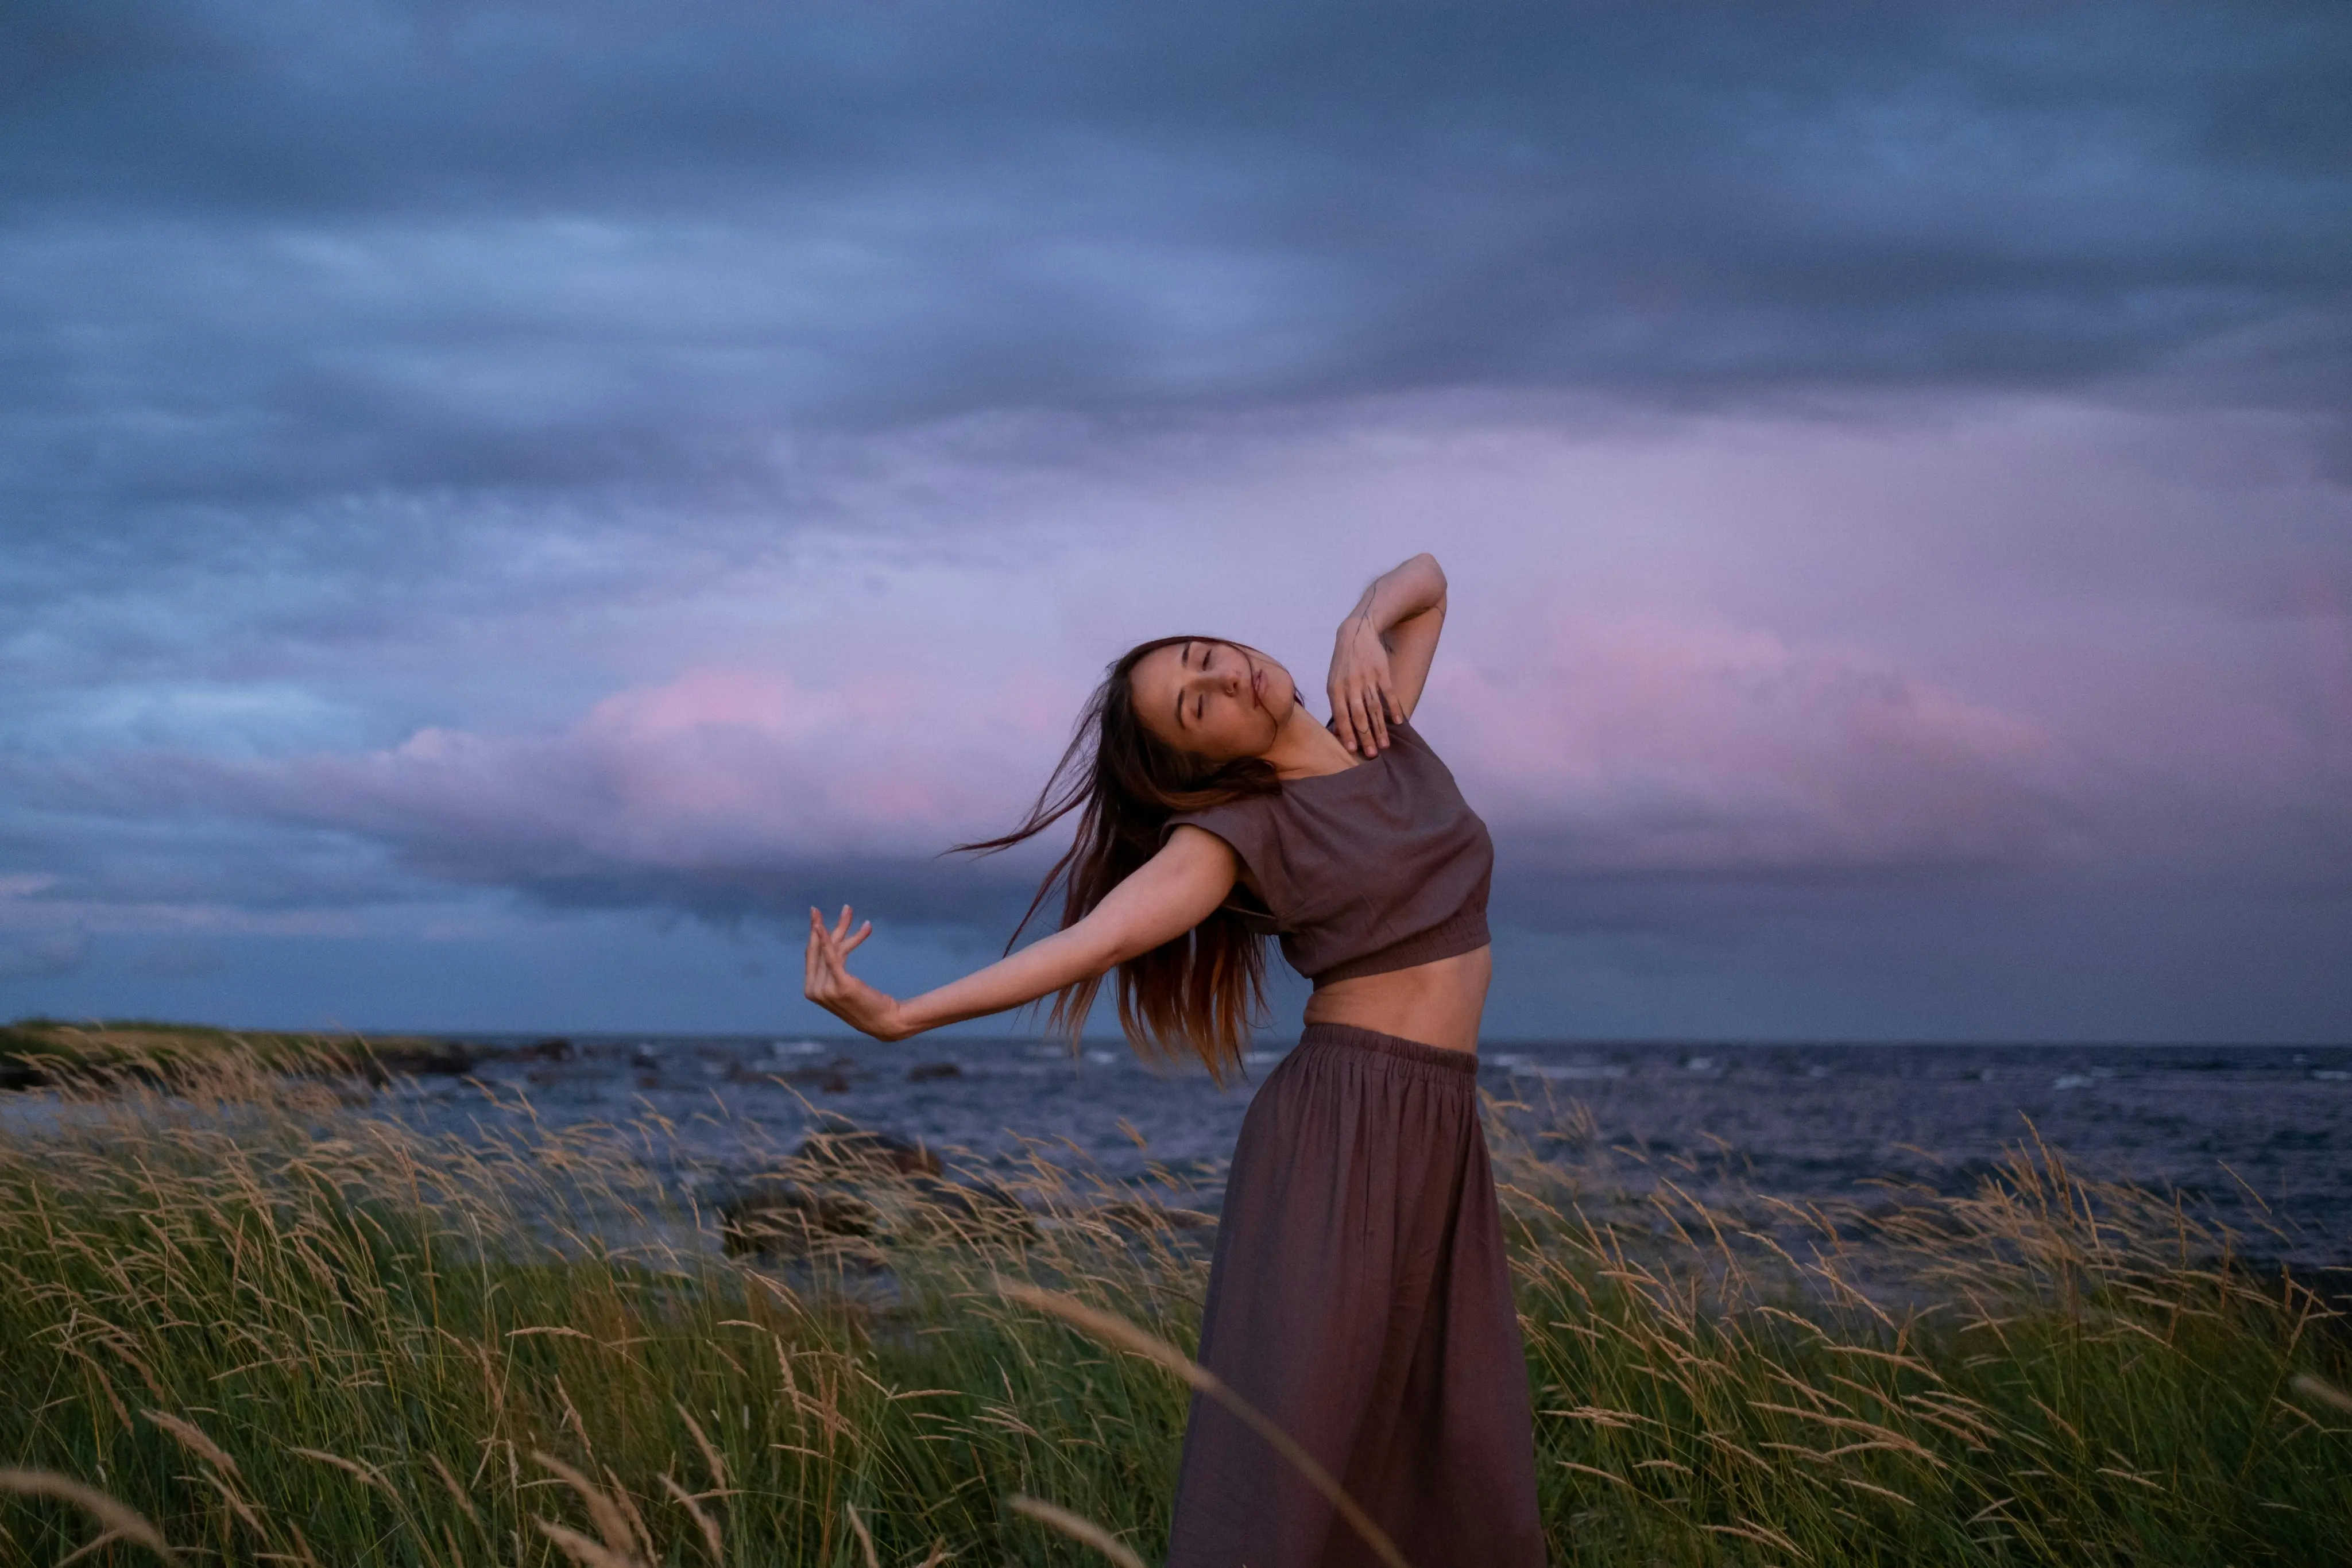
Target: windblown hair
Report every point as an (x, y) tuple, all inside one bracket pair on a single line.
[(1199, 993)]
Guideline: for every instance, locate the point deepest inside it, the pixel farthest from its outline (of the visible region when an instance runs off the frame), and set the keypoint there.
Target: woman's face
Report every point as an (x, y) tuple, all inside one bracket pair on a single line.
[(1217, 700)]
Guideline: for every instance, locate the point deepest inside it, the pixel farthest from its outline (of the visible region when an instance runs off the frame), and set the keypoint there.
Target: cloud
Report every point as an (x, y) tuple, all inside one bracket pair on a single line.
[(1763, 655), (520, 455), (723, 793), (1680, 750), (729, 792), (258, 266)]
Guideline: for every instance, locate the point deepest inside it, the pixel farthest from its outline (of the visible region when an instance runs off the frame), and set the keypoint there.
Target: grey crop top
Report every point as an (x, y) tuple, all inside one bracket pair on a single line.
[(1377, 867)]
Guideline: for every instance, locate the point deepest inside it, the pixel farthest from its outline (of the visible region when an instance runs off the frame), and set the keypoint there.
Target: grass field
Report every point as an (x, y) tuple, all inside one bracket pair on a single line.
[(280, 1328)]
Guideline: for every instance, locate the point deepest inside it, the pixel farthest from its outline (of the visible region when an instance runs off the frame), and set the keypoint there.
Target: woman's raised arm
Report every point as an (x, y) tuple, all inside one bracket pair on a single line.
[(1165, 896), (1379, 660)]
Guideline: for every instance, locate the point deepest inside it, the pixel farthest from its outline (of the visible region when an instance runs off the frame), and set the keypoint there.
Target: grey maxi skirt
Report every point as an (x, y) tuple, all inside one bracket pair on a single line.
[(1359, 1297)]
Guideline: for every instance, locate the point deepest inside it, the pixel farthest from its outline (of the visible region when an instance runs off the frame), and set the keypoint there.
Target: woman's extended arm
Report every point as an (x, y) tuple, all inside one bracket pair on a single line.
[(1380, 660), (1165, 896)]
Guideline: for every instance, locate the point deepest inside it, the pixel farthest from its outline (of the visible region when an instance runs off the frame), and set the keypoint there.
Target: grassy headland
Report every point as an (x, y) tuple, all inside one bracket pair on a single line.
[(38, 1051), (285, 1329)]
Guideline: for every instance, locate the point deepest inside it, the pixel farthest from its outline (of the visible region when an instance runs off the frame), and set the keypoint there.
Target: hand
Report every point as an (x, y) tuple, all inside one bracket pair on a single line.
[(1363, 698), (832, 986)]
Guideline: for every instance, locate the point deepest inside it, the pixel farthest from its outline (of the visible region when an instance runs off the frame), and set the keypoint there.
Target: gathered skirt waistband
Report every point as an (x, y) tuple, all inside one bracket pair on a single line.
[(1392, 1050)]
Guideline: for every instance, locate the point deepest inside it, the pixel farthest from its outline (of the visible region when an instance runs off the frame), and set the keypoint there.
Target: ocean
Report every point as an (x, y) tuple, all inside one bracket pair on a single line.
[(2256, 1137)]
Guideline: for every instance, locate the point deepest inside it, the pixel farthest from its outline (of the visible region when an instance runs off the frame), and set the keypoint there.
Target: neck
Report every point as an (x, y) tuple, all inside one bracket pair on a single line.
[(1303, 748)]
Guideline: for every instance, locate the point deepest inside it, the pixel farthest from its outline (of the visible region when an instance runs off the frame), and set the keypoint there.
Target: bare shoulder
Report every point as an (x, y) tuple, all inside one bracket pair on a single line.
[(1170, 894), (1206, 860)]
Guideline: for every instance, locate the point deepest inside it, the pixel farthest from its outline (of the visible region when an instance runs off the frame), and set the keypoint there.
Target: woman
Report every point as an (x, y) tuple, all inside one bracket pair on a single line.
[(1359, 1296)]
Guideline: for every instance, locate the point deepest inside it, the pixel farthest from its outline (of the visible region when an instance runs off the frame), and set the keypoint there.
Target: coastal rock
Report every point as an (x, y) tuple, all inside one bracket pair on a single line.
[(837, 1144), (831, 1078), (418, 1058), (848, 1184), (552, 1049), (775, 1215), (930, 1072), (972, 1210), (783, 1217)]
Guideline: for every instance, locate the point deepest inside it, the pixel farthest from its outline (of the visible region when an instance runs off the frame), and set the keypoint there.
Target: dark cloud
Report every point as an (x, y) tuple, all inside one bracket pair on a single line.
[(252, 257)]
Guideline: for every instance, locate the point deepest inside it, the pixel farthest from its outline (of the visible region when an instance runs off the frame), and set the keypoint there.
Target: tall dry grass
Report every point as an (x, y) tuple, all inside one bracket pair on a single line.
[(2045, 1370), (287, 1329)]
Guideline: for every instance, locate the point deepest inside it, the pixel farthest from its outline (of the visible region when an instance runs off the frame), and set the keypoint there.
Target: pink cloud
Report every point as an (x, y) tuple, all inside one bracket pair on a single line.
[(721, 768), (1762, 648), (1646, 745), (1641, 745)]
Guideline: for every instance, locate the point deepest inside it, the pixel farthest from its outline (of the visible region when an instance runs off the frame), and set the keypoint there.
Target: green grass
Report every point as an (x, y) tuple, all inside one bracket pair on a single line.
[(287, 1329)]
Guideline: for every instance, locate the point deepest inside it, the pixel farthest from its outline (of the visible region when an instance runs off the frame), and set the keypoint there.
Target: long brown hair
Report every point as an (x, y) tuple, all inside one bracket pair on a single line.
[(1197, 993)]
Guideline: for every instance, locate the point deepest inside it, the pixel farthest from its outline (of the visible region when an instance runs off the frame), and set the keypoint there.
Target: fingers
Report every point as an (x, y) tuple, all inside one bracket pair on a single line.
[(841, 941), (1361, 714), (824, 970), (1342, 725), (1364, 708)]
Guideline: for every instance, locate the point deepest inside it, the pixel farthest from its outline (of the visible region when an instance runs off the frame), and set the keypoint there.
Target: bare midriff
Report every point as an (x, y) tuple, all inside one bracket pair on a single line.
[(1437, 1004)]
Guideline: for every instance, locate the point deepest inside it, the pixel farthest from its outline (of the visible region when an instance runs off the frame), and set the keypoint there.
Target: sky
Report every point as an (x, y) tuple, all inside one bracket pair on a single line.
[(502, 506)]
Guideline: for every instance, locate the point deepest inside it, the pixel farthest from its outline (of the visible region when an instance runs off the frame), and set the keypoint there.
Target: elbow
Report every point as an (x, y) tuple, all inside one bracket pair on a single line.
[(1125, 945), (1125, 952), (1105, 949)]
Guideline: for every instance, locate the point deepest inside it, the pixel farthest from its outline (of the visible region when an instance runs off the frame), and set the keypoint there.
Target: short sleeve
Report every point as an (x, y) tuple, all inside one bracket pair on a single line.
[(1247, 825)]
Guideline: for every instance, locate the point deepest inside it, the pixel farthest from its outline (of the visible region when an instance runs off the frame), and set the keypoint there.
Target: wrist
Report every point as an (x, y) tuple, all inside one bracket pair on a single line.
[(900, 1022)]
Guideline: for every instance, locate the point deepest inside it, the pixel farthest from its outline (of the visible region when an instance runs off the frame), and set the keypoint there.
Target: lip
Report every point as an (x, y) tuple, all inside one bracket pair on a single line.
[(1257, 685)]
